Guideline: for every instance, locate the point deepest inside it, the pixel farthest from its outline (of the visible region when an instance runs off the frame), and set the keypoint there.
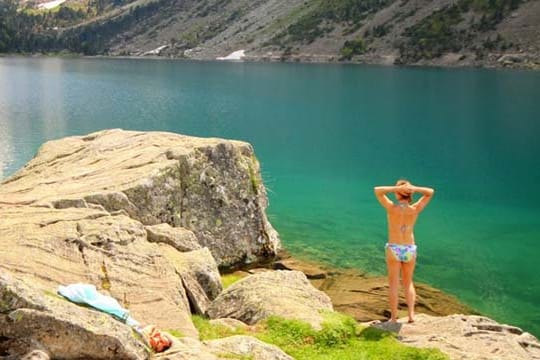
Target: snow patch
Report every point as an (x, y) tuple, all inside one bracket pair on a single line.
[(234, 56), (156, 51), (50, 4)]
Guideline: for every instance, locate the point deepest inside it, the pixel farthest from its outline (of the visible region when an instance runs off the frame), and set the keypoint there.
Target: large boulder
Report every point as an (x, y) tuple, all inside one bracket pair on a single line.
[(284, 293), (52, 247), (470, 337), (211, 186), (35, 319)]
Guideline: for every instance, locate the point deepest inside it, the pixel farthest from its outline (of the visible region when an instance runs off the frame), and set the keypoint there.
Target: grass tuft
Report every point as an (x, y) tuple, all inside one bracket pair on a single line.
[(209, 331), (340, 338), (175, 333), (229, 279)]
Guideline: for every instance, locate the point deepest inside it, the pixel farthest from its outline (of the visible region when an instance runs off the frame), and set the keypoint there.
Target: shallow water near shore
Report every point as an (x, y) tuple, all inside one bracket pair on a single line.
[(325, 135)]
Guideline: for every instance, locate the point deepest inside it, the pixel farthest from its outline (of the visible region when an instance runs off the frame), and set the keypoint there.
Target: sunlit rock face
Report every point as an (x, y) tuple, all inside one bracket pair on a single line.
[(209, 186)]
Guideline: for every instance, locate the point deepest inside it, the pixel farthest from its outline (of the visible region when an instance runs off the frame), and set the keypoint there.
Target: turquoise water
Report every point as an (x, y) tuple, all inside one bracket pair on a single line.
[(325, 135)]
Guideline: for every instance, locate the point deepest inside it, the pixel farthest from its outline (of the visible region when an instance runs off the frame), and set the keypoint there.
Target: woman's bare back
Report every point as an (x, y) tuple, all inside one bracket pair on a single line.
[(401, 219)]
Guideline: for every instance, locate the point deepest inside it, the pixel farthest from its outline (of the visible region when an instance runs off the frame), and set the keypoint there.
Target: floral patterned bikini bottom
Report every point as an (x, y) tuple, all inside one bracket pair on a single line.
[(403, 253)]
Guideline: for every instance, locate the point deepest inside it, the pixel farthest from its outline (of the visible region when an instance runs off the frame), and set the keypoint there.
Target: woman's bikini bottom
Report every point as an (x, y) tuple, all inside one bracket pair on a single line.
[(403, 253)]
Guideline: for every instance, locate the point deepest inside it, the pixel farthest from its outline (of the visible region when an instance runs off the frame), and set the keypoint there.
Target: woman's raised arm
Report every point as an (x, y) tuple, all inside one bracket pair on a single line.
[(380, 193), (427, 194)]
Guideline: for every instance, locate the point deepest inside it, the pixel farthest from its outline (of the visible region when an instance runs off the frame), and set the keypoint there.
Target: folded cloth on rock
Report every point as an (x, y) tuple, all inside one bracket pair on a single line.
[(87, 294)]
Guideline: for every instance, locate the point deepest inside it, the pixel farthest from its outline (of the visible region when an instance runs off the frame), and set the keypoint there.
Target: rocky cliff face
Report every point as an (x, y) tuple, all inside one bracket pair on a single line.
[(211, 187), (440, 32)]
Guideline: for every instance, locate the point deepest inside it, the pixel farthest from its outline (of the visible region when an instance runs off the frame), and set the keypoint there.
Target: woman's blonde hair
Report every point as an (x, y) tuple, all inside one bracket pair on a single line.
[(402, 196)]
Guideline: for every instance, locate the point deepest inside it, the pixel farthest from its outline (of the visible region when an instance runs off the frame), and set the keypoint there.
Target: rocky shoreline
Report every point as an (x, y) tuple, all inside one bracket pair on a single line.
[(365, 296), (518, 61), (151, 219)]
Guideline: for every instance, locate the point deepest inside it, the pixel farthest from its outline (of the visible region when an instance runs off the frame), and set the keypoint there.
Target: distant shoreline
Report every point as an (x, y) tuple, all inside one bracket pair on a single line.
[(261, 59)]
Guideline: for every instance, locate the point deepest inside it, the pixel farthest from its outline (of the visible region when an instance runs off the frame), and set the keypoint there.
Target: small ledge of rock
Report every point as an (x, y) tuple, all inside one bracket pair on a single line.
[(179, 238), (312, 271)]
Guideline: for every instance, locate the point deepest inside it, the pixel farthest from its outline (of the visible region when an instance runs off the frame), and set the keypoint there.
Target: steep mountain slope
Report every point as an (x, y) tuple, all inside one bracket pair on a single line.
[(438, 32)]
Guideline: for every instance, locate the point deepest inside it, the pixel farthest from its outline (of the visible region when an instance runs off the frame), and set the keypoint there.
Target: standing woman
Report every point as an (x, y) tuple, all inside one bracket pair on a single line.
[(401, 249)]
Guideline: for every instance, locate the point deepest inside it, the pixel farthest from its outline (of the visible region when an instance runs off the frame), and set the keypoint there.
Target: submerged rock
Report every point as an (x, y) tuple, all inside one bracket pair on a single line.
[(284, 293), (366, 297), (210, 186)]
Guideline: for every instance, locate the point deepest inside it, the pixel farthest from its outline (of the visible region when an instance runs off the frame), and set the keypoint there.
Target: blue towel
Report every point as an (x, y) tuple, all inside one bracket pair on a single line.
[(87, 294)]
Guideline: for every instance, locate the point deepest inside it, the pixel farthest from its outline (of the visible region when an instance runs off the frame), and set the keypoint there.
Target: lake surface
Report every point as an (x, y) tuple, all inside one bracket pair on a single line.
[(325, 135)]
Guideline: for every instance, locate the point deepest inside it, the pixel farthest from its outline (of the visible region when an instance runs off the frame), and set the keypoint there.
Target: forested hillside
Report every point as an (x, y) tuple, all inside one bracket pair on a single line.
[(439, 32)]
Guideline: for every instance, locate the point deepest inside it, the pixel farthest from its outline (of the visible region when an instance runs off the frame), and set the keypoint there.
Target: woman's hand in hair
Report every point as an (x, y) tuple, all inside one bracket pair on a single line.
[(406, 189)]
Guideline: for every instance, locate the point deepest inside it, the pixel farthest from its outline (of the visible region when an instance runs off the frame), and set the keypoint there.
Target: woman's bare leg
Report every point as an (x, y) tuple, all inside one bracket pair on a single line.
[(407, 272), (393, 267)]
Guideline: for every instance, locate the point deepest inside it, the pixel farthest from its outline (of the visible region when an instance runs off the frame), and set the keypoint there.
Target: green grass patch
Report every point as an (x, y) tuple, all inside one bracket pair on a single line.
[(340, 338), (209, 331), (175, 333), (351, 48), (229, 279)]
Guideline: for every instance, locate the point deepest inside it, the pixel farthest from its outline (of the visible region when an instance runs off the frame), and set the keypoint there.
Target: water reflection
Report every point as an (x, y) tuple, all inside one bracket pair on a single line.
[(6, 146), (51, 99)]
